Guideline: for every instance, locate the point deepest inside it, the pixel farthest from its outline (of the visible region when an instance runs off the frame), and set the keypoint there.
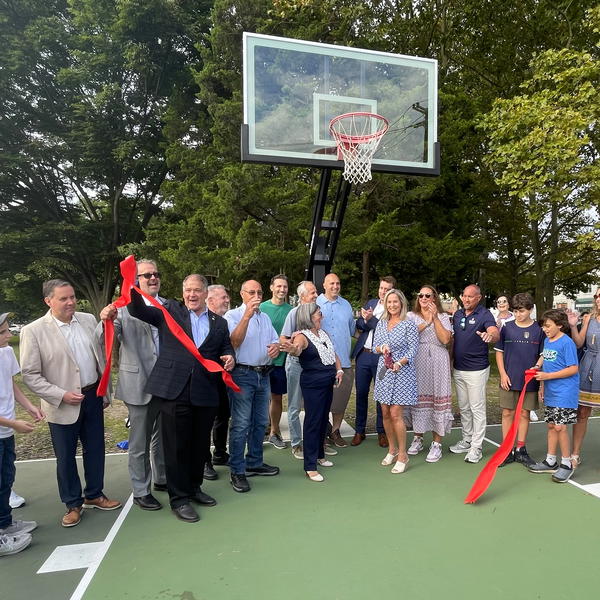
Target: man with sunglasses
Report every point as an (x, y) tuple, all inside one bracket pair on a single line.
[(366, 362), (138, 352), (474, 328)]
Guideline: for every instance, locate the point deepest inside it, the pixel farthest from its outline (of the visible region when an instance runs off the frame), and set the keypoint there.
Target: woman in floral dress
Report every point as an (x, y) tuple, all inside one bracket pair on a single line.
[(396, 339), (433, 411)]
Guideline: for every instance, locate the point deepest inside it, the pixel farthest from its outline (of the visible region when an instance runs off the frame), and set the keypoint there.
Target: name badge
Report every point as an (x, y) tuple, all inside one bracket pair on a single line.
[(526, 335), (472, 321)]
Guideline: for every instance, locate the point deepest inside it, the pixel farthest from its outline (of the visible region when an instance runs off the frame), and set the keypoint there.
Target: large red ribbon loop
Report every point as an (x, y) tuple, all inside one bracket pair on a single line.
[(128, 272), (488, 472)]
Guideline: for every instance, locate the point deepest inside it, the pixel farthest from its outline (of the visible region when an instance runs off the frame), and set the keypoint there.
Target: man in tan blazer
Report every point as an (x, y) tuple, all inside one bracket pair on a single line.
[(61, 363)]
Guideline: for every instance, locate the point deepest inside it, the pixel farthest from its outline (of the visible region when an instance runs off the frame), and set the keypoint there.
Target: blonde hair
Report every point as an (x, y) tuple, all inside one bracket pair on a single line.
[(594, 312), (403, 305)]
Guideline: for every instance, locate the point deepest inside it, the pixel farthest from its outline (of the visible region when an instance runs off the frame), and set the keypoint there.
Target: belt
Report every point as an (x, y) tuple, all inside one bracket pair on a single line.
[(89, 388), (368, 350), (263, 369)]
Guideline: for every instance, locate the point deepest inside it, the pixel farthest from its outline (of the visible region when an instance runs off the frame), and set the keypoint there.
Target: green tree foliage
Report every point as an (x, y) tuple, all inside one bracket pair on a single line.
[(91, 91), (543, 151)]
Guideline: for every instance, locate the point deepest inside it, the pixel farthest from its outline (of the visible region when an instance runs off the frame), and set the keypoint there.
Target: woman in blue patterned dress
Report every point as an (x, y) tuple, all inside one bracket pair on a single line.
[(589, 371), (396, 338)]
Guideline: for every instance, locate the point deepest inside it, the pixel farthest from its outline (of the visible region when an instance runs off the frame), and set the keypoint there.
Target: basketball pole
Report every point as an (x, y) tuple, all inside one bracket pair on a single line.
[(325, 233)]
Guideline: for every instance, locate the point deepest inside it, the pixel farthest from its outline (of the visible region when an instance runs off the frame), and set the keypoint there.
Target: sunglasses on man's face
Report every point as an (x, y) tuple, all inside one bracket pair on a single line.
[(156, 275), (424, 295)]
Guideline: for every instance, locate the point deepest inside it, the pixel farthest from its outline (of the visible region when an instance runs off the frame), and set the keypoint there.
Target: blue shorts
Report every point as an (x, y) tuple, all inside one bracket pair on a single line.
[(278, 380)]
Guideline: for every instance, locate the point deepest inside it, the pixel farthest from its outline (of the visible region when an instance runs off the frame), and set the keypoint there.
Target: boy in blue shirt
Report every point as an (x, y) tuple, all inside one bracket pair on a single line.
[(14, 535), (520, 346), (560, 377)]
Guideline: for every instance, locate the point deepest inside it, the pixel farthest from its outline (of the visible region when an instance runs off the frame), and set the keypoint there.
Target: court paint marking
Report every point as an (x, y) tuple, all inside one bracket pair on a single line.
[(74, 556), (101, 551), (591, 488)]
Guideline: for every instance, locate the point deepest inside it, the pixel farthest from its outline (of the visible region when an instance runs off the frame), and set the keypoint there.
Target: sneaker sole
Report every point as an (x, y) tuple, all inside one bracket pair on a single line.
[(433, 460), (549, 471), (413, 452), (459, 451), (240, 490), (101, 507), (561, 480), (250, 474)]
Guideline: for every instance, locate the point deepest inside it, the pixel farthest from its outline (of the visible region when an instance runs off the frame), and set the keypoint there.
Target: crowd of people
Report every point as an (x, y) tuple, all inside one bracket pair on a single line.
[(177, 407)]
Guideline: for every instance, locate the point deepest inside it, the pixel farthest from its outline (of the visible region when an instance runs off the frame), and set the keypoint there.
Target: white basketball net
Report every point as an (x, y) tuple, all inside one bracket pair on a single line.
[(357, 136)]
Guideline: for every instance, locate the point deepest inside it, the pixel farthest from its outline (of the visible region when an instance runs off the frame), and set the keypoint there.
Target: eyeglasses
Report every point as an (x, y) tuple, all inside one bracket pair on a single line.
[(424, 295), (156, 275), (463, 322)]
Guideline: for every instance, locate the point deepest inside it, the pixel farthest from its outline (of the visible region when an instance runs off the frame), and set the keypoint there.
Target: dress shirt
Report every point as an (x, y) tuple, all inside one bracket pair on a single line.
[(260, 333), (338, 322), (81, 347), (377, 312), (290, 323), (200, 326)]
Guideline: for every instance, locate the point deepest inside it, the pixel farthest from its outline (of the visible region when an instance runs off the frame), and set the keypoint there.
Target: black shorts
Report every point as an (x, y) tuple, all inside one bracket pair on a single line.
[(560, 416), (278, 380)]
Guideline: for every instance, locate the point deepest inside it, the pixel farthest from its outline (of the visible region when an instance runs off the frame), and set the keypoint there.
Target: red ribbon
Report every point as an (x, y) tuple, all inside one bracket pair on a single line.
[(488, 472), (128, 272)]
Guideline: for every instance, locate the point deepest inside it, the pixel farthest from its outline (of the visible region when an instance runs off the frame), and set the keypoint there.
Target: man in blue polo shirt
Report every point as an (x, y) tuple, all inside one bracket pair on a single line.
[(474, 328), (338, 322)]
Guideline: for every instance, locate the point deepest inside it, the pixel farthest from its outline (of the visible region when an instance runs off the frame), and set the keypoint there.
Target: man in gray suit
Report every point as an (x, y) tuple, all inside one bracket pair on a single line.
[(139, 348)]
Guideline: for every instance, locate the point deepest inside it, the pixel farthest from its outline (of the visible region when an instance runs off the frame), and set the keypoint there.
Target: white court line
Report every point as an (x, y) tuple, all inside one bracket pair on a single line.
[(91, 570)]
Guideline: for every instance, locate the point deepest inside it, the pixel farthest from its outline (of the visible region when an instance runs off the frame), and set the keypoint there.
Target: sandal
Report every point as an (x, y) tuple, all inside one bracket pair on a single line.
[(389, 459), (400, 466), (575, 460)]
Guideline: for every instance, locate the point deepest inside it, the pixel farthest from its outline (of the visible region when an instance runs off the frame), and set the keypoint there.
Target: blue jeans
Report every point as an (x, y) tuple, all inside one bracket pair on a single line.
[(365, 371), (249, 418), (7, 478), (292, 371)]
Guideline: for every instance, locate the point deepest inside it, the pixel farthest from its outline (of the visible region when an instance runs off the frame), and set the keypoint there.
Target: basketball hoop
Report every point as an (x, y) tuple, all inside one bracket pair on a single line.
[(357, 135)]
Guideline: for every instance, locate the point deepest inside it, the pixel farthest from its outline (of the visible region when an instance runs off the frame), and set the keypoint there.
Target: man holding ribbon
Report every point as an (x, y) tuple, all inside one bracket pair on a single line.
[(139, 347), (186, 388)]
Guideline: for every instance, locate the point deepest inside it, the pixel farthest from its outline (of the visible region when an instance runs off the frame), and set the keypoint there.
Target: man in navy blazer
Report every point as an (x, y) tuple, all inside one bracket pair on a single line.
[(188, 392), (366, 362)]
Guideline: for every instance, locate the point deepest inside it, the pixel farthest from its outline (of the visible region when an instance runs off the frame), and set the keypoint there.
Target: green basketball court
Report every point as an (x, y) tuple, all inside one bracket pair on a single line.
[(362, 533)]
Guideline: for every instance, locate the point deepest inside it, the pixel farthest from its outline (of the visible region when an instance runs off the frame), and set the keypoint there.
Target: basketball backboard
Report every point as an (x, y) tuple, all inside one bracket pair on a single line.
[(293, 88)]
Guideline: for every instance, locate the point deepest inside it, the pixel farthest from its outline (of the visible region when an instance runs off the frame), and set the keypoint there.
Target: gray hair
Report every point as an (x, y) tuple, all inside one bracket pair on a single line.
[(200, 278), (149, 261), (49, 286), (301, 289), (304, 315), (216, 286)]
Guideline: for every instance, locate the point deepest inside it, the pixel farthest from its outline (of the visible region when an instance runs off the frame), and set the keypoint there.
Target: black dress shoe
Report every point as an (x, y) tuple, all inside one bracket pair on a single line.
[(209, 472), (186, 512), (148, 502), (265, 469), (220, 460), (201, 498), (240, 483), (160, 487)]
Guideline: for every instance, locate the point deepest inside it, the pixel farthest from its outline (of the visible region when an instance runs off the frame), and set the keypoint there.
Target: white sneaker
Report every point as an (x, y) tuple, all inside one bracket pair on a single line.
[(11, 544), (474, 455), (416, 446), (19, 527), (324, 462), (461, 447), (533, 416), (435, 452), (16, 501)]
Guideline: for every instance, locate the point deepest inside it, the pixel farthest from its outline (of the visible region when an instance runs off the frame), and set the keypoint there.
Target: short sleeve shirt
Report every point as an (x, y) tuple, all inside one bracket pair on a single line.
[(521, 348), (277, 313), (9, 367), (338, 321), (558, 355), (260, 333), (471, 353), (290, 323)]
